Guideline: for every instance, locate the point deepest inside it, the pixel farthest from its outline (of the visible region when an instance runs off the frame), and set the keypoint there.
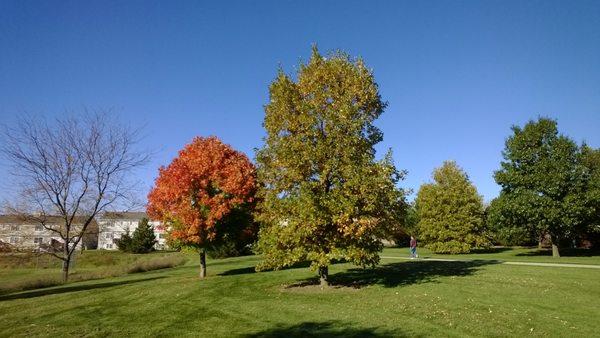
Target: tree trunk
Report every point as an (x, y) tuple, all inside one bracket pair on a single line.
[(65, 270), (202, 263), (324, 276), (66, 261), (555, 252)]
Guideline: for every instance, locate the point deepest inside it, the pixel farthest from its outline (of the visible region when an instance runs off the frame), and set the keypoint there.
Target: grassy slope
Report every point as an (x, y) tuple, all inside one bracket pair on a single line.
[(22, 268), (411, 298)]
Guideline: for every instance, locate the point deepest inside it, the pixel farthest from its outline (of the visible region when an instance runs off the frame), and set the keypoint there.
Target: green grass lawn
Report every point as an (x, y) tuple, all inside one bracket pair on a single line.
[(570, 256), (399, 298)]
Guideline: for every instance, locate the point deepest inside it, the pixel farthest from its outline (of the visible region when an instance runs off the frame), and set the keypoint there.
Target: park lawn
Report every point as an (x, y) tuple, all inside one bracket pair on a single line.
[(511, 254), (399, 298)]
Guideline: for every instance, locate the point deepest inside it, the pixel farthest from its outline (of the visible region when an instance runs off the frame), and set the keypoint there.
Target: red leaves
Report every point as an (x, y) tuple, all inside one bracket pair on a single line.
[(200, 187)]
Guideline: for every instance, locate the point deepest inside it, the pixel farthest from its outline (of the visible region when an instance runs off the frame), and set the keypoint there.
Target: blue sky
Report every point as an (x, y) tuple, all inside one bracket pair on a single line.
[(456, 74)]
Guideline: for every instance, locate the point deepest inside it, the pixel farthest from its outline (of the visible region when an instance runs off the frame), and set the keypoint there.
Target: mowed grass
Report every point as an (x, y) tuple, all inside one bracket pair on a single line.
[(398, 298), (512, 254)]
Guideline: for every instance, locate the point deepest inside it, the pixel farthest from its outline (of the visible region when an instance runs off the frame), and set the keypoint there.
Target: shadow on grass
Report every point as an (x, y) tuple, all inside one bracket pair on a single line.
[(298, 265), (399, 274), (71, 288), (566, 252), (240, 271), (324, 329), (251, 269)]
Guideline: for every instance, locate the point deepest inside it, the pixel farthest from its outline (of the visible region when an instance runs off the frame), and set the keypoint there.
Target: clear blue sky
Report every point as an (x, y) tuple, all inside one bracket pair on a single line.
[(456, 74)]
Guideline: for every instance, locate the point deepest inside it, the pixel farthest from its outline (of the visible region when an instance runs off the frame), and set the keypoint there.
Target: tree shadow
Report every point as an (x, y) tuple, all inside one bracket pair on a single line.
[(566, 252), (71, 288), (400, 274), (240, 271), (252, 269), (324, 329)]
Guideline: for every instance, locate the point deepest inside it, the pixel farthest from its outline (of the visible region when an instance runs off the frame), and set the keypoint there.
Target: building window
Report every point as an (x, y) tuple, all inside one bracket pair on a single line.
[(38, 240), (109, 246), (39, 227), (14, 240), (108, 235), (161, 236), (14, 228)]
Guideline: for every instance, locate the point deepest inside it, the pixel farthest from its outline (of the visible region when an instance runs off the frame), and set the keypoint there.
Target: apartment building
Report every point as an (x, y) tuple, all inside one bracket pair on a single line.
[(113, 225), (28, 232)]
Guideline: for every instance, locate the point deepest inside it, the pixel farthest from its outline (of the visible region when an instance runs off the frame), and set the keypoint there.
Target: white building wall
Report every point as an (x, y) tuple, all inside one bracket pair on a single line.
[(28, 236), (111, 229)]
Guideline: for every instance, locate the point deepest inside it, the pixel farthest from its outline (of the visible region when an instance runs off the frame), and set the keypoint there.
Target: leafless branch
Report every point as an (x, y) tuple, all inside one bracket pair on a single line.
[(74, 167)]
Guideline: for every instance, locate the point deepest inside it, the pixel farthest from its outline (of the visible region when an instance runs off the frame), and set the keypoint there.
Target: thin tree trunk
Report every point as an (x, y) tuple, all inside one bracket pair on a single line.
[(65, 270), (202, 263), (324, 276), (66, 261), (555, 252)]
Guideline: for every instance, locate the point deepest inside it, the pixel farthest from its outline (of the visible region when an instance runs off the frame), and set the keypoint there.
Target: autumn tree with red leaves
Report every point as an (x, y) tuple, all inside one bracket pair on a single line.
[(205, 185)]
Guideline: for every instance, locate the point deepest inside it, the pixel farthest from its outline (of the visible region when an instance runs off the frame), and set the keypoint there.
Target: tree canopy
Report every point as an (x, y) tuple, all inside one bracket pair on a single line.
[(324, 195), (205, 185), (544, 182), (450, 212)]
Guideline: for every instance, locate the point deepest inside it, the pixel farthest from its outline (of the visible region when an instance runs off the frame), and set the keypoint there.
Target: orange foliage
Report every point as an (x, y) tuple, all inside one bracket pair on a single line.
[(200, 187)]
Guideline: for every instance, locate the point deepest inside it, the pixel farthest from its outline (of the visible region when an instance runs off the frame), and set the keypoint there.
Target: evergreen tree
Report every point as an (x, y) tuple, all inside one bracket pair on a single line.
[(544, 183), (324, 196), (143, 238), (450, 212), (124, 243)]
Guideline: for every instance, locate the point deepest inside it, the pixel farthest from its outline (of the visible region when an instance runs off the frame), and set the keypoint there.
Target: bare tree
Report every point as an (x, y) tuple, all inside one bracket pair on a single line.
[(72, 168)]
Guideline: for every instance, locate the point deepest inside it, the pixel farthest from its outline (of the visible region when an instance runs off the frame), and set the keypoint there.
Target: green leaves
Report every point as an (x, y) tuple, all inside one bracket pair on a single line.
[(450, 212), (324, 195), (142, 240), (545, 183)]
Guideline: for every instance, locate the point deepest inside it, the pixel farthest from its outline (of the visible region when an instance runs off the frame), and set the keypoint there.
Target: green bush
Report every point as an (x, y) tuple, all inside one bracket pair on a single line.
[(228, 249), (124, 243), (450, 247)]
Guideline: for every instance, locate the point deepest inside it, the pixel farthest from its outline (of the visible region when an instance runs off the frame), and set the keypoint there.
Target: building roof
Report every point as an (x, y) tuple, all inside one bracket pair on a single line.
[(52, 219), (30, 219), (129, 215)]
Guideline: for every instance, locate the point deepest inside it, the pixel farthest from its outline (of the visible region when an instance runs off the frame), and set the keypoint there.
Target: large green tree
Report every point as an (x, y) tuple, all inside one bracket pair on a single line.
[(591, 161), (450, 212), (324, 195), (544, 182), (512, 226)]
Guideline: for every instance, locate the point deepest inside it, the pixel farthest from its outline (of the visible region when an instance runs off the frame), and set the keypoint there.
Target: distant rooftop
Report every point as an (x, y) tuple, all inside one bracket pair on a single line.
[(31, 219), (129, 215)]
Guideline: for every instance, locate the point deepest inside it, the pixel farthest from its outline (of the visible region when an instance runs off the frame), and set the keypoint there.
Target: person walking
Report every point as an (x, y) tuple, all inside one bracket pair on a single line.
[(413, 248)]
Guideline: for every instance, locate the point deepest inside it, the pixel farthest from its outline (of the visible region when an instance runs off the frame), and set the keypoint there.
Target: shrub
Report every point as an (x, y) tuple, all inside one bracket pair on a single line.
[(450, 247), (228, 249), (124, 243)]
